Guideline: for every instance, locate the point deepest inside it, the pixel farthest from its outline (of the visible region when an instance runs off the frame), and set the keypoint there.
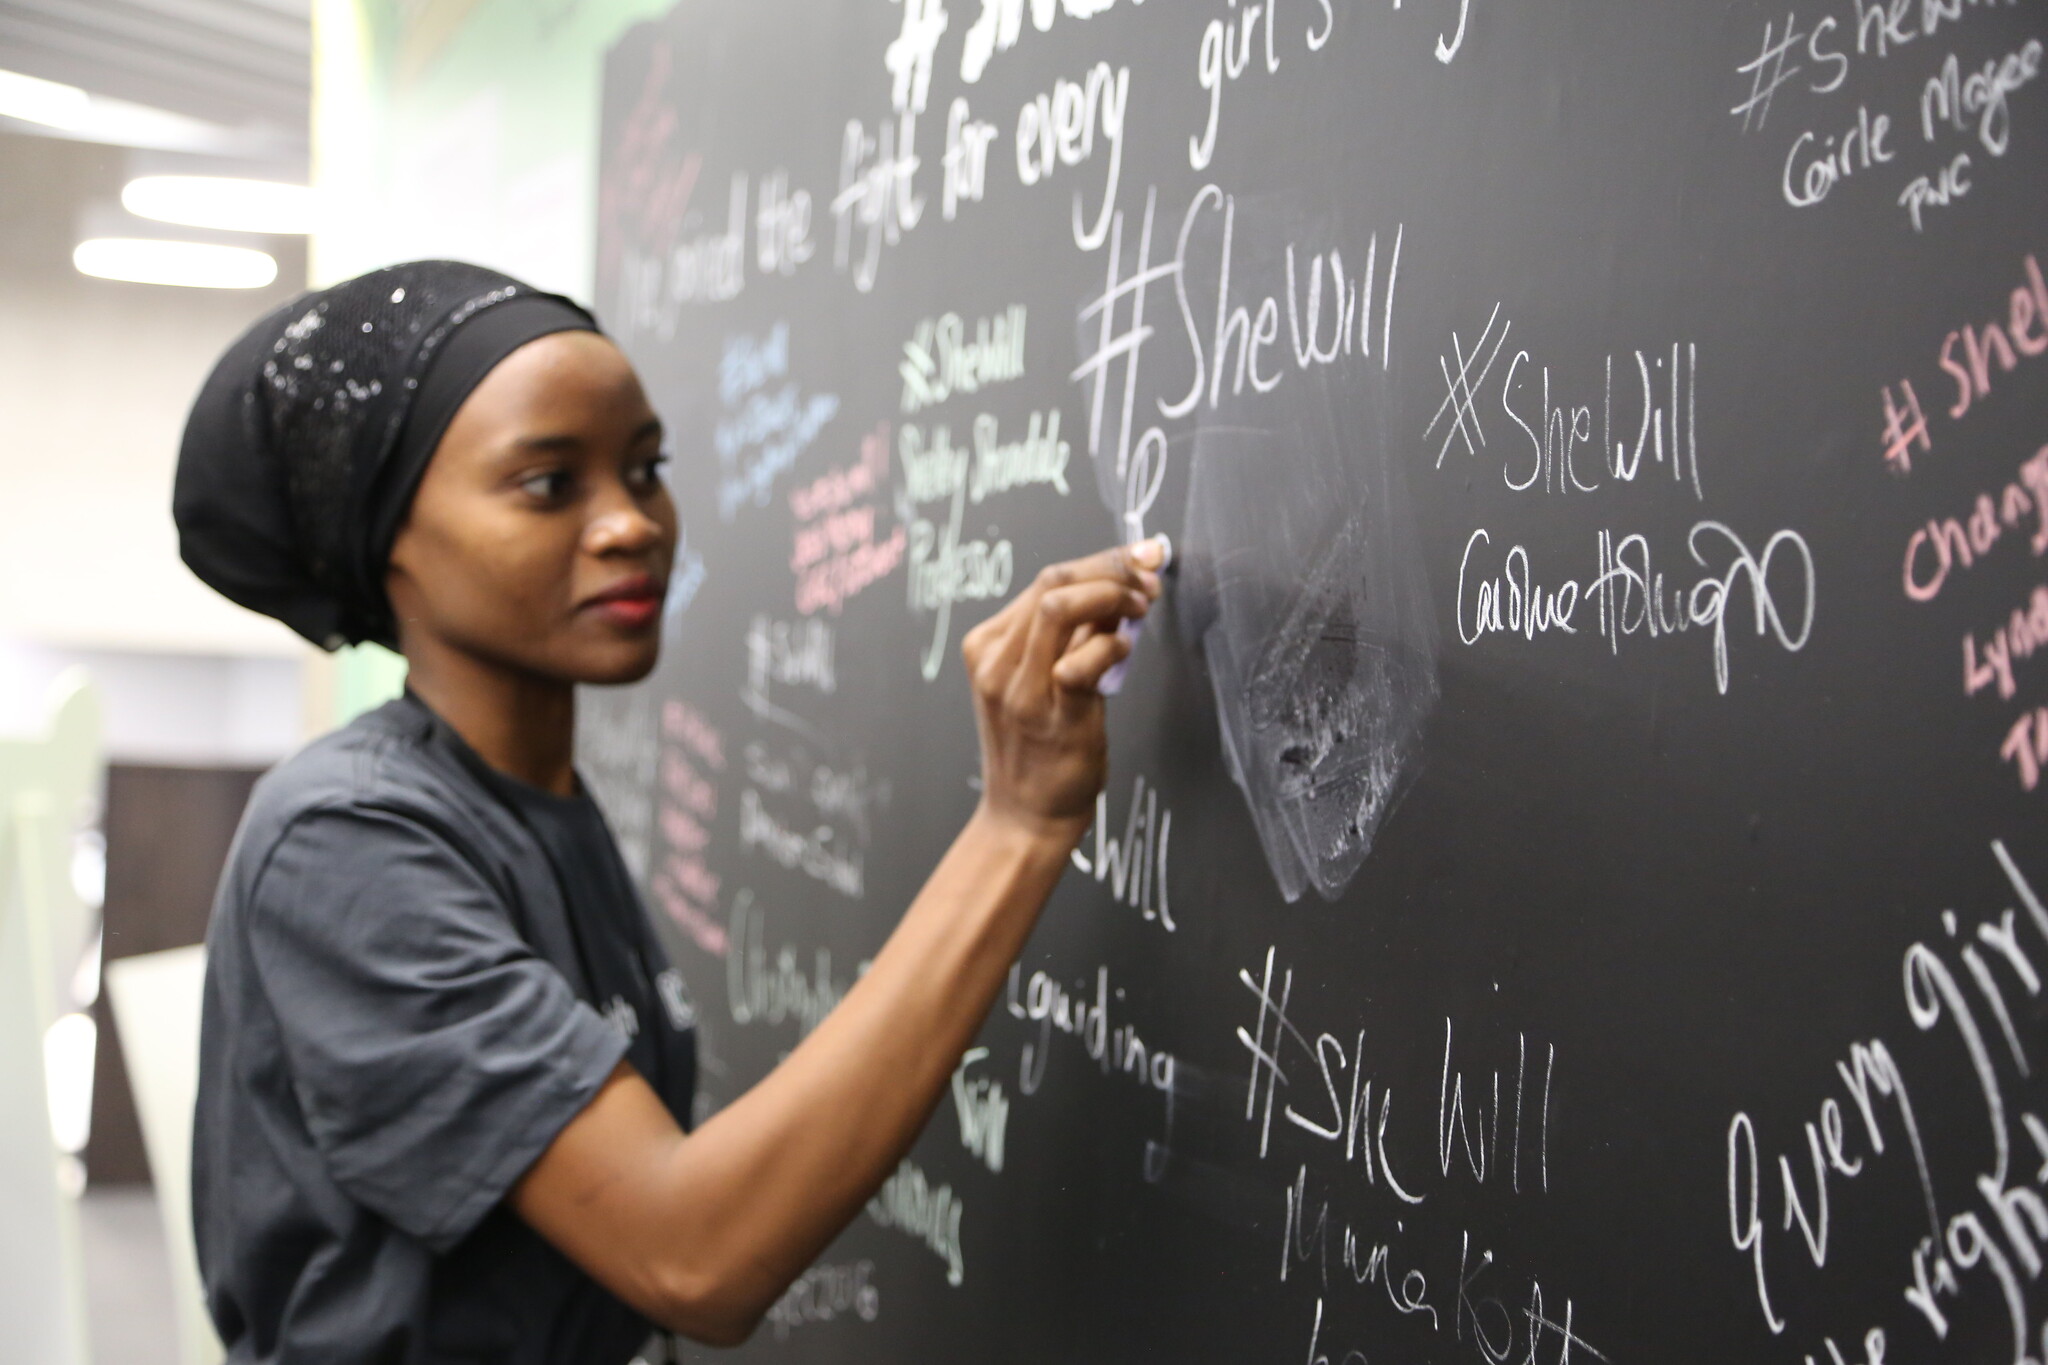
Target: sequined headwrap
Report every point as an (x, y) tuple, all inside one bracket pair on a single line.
[(309, 438)]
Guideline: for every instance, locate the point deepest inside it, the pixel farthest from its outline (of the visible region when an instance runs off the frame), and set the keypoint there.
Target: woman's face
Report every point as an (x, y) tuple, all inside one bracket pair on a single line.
[(541, 536)]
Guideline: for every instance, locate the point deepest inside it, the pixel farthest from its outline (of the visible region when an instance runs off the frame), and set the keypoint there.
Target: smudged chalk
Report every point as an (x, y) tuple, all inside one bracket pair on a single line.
[(1304, 586)]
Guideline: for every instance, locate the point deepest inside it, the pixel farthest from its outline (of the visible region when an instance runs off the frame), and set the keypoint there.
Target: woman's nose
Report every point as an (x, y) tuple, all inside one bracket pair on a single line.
[(623, 528)]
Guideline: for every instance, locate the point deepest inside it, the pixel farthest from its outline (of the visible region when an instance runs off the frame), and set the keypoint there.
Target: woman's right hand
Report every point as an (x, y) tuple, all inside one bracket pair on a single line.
[(1036, 667)]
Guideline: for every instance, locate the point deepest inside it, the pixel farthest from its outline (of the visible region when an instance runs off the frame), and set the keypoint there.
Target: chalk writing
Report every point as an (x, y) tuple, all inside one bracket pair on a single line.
[(1325, 687), (1994, 1228), (1939, 188), (2026, 748), (824, 1292), (1118, 1049), (1131, 462), (876, 201), (965, 163), (1515, 1322), (1000, 27), (846, 793), (1491, 1132), (706, 267), (940, 361), (1817, 61), (877, 193), (1630, 596), (618, 755), (1245, 39), (842, 542), (1813, 168), (1129, 479), (685, 581), (1957, 100), (772, 990), (644, 191), (1225, 55), (789, 653), (1251, 330), (1948, 544), (1336, 1100), (1904, 426), (910, 54), (945, 569), (982, 1108), (682, 883), (908, 1203), (1039, 456), (815, 852), (2024, 336), (2017, 638), (782, 226), (1971, 358), (850, 795), (1567, 457), (1711, 597), (1057, 128), (1134, 867), (765, 425)]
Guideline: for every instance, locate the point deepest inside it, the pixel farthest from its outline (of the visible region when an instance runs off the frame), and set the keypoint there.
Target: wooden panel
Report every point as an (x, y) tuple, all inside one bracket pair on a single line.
[(168, 831)]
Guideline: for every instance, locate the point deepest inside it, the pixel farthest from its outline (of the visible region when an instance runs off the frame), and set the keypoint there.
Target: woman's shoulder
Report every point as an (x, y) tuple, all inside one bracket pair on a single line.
[(378, 824), (383, 764)]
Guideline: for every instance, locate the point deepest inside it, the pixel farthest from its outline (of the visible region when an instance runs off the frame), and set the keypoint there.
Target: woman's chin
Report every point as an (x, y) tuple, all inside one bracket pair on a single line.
[(627, 661)]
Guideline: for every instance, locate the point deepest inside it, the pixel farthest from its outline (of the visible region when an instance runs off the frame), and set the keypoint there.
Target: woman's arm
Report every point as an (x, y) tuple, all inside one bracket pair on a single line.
[(703, 1232)]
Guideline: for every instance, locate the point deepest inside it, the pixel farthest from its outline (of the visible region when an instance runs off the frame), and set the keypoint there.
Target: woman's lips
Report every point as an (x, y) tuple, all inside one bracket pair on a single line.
[(633, 604)]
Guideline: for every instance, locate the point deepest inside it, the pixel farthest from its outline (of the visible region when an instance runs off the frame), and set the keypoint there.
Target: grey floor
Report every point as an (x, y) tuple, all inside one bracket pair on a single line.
[(127, 1277)]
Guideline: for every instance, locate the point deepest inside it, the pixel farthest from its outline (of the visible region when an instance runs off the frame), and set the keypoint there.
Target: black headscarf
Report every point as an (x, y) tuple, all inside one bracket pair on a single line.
[(308, 440)]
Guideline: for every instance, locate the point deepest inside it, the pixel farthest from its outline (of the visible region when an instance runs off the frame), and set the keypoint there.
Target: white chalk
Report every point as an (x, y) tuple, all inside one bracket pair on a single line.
[(1113, 681)]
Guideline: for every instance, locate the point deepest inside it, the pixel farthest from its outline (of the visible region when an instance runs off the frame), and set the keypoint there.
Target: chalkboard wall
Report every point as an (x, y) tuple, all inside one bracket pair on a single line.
[(1571, 884)]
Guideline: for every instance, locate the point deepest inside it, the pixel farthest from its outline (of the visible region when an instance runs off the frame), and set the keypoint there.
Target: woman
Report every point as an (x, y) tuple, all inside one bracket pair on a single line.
[(444, 1070)]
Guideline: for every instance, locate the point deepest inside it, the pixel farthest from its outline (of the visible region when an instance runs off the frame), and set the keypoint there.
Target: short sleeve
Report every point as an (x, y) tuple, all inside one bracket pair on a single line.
[(433, 1054)]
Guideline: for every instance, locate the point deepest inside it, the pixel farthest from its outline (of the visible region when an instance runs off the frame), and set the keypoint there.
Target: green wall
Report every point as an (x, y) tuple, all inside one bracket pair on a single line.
[(460, 128)]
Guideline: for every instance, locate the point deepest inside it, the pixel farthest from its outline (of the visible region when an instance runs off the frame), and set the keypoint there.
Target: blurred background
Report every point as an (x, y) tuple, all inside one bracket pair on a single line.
[(170, 170)]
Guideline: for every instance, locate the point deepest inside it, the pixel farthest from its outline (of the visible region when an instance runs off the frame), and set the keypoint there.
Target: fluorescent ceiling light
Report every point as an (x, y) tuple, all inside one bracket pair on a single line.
[(121, 124), (197, 265), (40, 101), (213, 201), (72, 112)]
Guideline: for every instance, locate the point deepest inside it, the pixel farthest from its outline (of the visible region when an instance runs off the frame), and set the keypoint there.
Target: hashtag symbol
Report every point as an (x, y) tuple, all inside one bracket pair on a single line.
[(1265, 1048), (1115, 342), (1767, 72), (1460, 399), (1899, 432)]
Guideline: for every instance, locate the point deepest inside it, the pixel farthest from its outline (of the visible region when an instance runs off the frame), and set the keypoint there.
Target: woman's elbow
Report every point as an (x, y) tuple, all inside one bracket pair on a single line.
[(709, 1307)]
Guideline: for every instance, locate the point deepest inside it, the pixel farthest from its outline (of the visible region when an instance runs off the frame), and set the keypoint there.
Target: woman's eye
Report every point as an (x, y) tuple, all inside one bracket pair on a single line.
[(549, 486), (647, 473)]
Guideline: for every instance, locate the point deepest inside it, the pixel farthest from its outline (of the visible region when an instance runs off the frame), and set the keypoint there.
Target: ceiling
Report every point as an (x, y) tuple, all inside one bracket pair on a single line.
[(245, 65)]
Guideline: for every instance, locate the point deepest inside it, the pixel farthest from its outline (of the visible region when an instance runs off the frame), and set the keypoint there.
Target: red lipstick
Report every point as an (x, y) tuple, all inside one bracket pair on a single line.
[(632, 603)]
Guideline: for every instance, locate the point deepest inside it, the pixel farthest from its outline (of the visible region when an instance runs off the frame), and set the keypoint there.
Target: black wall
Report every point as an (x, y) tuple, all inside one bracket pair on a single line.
[(1588, 899)]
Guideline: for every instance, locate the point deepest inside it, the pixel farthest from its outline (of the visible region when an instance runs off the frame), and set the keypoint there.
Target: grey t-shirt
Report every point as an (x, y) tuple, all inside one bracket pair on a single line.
[(418, 972)]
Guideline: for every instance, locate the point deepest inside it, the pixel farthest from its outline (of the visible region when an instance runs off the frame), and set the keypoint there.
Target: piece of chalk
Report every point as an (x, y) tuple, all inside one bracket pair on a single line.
[(1113, 681)]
